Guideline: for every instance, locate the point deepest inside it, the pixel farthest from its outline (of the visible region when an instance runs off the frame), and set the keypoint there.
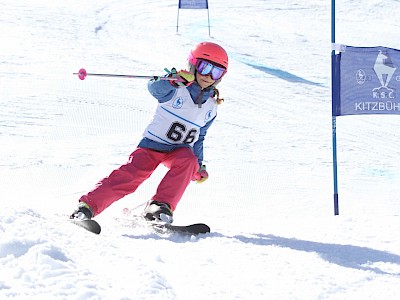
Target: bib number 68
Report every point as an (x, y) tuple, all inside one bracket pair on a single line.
[(178, 133)]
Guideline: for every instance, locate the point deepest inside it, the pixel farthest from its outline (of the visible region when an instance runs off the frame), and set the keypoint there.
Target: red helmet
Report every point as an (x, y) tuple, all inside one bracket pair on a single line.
[(209, 51)]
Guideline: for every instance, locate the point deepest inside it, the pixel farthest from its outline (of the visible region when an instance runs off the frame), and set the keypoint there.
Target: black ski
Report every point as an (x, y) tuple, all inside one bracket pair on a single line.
[(192, 229), (90, 225)]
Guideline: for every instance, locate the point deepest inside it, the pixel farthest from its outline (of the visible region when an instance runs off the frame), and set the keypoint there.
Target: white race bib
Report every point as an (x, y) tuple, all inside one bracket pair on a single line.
[(178, 121)]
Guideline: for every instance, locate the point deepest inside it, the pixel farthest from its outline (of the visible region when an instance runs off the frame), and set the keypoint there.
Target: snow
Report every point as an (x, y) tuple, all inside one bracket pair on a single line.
[(269, 198)]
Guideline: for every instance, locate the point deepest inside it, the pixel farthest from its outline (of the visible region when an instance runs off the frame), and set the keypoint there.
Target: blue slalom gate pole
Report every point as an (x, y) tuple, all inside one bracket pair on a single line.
[(334, 146)]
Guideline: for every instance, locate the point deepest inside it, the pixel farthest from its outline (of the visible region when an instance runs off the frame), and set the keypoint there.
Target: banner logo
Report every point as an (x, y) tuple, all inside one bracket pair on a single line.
[(384, 70), (361, 77)]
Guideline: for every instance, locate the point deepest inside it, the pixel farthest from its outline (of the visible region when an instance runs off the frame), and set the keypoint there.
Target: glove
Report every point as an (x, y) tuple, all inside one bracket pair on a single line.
[(201, 175), (184, 78)]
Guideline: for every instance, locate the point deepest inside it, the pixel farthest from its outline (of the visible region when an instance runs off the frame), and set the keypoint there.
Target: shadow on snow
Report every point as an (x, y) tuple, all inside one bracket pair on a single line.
[(282, 74), (348, 256)]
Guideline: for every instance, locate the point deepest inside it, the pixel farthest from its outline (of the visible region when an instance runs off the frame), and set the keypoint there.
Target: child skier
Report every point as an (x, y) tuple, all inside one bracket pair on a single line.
[(186, 109)]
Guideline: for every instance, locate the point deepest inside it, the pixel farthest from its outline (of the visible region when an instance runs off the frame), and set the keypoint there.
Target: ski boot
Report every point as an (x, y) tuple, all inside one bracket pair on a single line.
[(158, 211), (84, 212)]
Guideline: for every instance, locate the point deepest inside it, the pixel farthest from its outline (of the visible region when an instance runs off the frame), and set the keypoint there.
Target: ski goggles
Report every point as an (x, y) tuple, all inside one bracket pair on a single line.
[(207, 68)]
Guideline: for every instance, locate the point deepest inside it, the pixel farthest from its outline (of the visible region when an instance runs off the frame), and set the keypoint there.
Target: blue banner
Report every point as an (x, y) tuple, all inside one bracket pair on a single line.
[(193, 4), (367, 81)]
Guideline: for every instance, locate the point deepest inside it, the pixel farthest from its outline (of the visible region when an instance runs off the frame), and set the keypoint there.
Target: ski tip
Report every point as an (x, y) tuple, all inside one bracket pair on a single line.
[(90, 225), (195, 229), (203, 228)]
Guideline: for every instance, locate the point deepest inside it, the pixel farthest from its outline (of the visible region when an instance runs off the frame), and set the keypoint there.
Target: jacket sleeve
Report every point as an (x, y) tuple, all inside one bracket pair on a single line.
[(162, 90), (198, 146)]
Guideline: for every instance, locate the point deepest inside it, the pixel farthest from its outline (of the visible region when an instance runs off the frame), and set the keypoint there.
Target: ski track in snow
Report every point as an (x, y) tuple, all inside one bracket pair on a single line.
[(269, 197)]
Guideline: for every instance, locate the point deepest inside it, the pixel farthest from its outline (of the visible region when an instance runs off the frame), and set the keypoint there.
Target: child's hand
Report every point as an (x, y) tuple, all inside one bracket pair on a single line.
[(201, 175)]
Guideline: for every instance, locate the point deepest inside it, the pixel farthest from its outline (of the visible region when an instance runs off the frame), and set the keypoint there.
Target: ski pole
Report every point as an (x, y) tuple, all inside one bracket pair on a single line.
[(82, 75)]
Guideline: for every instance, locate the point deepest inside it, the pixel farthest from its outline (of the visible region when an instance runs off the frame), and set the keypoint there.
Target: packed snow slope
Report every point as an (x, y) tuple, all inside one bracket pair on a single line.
[(269, 198)]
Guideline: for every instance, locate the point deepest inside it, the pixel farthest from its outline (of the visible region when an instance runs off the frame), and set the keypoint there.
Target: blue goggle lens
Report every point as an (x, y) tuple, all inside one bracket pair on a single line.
[(207, 68)]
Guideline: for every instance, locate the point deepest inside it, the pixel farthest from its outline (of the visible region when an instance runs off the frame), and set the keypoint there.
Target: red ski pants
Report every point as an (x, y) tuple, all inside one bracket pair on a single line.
[(182, 164)]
